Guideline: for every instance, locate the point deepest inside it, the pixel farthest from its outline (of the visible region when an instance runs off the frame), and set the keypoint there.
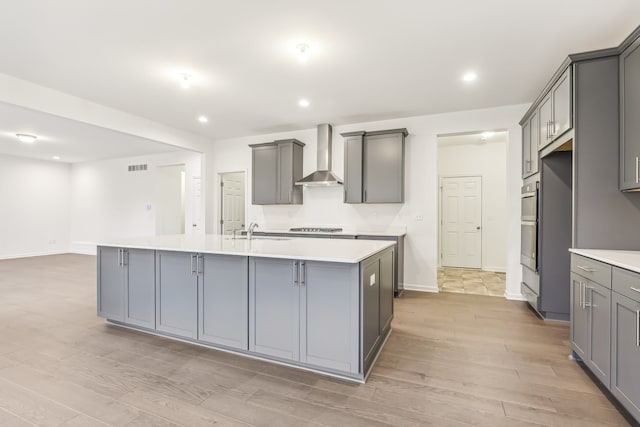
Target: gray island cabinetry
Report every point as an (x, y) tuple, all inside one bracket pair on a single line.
[(329, 312)]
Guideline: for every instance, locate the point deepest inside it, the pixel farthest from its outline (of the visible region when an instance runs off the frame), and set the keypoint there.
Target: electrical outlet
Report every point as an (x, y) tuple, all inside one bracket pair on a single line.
[(419, 217), (52, 242)]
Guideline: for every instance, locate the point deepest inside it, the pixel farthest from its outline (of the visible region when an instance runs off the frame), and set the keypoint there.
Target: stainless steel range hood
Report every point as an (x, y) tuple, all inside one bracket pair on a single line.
[(323, 176)]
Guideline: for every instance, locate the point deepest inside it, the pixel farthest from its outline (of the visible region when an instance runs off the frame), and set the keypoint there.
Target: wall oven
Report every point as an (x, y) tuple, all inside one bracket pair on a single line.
[(529, 226)]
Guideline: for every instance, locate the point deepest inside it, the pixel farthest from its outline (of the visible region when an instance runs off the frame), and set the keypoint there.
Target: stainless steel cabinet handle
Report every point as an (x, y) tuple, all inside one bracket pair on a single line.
[(548, 130), (580, 300), (303, 270), (125, 258), (587, 269), (119, 252), (365, 195), (552, 125), (296, 273), (637, 170), (587, 291), (634, 289), (192, 269), (198, 270), (637, 328)]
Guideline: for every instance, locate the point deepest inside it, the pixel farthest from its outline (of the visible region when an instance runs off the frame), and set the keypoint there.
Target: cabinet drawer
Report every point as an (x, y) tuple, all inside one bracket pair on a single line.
[(591, 269), (532, 297), (626, 283)]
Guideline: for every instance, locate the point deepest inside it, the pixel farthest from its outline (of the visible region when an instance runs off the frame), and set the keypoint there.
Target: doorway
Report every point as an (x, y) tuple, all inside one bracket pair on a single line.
[(472, 226), (232, 202), (170, 193)]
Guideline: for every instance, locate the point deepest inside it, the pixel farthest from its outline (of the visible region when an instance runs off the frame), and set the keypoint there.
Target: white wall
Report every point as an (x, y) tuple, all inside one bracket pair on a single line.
[(323, 206), (35, 207), (108, 201), (488, 160)]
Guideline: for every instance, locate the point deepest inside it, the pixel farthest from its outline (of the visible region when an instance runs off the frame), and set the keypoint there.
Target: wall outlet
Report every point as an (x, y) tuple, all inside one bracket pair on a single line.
[(419, 217), (52, 242)]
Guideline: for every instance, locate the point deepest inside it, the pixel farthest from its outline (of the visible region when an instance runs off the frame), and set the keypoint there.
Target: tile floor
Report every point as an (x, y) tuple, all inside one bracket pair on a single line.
[(469, 281)]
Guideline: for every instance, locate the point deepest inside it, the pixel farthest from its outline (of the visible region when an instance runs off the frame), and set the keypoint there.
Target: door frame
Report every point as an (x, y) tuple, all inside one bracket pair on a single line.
[(440, 188), (220, 198)]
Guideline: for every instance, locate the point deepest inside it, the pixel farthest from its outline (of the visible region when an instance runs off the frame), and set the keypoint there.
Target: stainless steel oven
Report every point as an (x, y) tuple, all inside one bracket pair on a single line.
[(529, 226)]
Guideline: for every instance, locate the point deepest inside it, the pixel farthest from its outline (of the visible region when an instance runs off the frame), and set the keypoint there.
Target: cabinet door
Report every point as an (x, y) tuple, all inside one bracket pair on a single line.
[(329, 315), (223, 301), (264, 177), (629, 113), (274, 314), (285, 173), (579, 317), (141, 287), (544, 121), (353, 169), (561, 101), (386, 291), (625, 353), (177, 293), (384, 168), (111, 279), (535, 142), (526, 149), (598, 301), (370, 309)]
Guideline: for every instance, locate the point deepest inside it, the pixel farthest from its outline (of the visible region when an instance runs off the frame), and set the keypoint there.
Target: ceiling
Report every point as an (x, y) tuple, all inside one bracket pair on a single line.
[(368, 60), (70, 140)]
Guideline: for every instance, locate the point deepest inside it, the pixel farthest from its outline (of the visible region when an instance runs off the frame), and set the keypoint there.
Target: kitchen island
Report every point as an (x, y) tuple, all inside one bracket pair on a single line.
[(316, 304)]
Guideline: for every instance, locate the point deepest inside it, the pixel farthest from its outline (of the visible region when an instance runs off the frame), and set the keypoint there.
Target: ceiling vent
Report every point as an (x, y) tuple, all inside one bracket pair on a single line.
[(136, 168)]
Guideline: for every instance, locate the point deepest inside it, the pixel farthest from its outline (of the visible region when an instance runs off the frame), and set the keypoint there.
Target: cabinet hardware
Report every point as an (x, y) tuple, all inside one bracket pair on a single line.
[(548, 129), (552, 126), (588, 291), (637, 171), (119, 252), (192, 269), (580, 298), (296, 273), (125, 258), (198, 270), (634, 289), (303, 279), (637, 328), (365, 195), (587, 269)]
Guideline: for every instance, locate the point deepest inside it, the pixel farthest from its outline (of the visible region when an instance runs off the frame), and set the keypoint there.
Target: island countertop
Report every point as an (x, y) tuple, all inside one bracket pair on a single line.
[(629, 260), (310, 249)]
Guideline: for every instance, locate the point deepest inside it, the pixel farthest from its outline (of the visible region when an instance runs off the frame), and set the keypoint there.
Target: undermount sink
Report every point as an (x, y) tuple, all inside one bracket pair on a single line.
[(258, 238)]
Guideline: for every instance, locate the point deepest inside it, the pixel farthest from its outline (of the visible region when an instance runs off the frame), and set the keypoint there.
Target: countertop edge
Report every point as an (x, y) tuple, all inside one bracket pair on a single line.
[(611, 256)]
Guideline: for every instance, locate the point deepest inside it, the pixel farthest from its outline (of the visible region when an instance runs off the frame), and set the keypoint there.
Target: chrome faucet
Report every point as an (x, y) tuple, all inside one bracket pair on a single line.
[(252, 226)]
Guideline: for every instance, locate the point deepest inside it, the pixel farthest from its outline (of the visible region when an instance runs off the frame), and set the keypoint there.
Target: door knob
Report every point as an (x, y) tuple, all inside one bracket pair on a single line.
[(478, 228)]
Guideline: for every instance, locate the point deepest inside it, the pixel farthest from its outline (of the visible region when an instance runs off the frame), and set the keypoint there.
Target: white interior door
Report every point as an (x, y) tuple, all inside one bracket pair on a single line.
[(461, 221), (170, 196), (233, 203)]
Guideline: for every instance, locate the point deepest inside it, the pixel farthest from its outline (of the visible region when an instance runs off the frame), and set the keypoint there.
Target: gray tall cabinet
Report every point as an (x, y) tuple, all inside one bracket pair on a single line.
[(276, 166), (374, 166)]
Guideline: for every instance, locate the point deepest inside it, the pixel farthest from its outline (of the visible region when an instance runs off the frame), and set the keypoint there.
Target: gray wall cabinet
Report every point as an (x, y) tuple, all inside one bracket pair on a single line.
[(140, 288), (223, 295), (555, 110), (276, 166), (530, 142), (305, 311), (629, 113), (177, 293), (111, 283), (374, 166)]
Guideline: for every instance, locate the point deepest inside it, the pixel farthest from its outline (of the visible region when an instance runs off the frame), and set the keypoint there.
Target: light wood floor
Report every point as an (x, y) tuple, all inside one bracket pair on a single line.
[(452, 360), (471, 281)]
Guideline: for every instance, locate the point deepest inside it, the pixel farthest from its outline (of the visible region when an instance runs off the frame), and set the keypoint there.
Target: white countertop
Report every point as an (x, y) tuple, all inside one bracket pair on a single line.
[(346, 251), (346, 231), (629, 260)]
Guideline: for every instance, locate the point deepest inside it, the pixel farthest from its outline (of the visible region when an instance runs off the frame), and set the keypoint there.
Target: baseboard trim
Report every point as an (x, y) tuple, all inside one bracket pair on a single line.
[(495, 269), (83, 248), (33, 254), (514, 296), (421, 288)]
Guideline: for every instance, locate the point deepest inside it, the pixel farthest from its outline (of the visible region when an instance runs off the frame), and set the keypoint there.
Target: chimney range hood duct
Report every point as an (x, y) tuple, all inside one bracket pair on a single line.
[(323, 176)]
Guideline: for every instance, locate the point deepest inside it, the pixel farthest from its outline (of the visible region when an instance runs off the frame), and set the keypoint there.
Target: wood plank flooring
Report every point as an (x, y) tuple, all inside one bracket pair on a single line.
[(451, 360)]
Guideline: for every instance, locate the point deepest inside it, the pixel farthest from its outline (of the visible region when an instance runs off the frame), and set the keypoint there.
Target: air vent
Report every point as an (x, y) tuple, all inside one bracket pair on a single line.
[(136, 168)]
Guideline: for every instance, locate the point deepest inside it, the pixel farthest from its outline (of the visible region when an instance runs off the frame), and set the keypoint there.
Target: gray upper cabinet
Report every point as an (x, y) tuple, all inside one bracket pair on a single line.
[(530, 144), (177, 293), (353, 167), (276, 166), (555, 110), (140, 287), (629, 113), (111, 283), (374, 166), (223, 293)]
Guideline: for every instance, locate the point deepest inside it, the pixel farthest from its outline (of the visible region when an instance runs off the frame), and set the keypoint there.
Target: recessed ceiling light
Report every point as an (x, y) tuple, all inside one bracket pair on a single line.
[(56, 157), (303, 52), (470, 76), (185, 80), (303, 103), (203, 119), (26, 138)]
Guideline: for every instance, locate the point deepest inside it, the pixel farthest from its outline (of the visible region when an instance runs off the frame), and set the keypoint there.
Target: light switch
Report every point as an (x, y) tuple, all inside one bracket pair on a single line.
[(372, 279)]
